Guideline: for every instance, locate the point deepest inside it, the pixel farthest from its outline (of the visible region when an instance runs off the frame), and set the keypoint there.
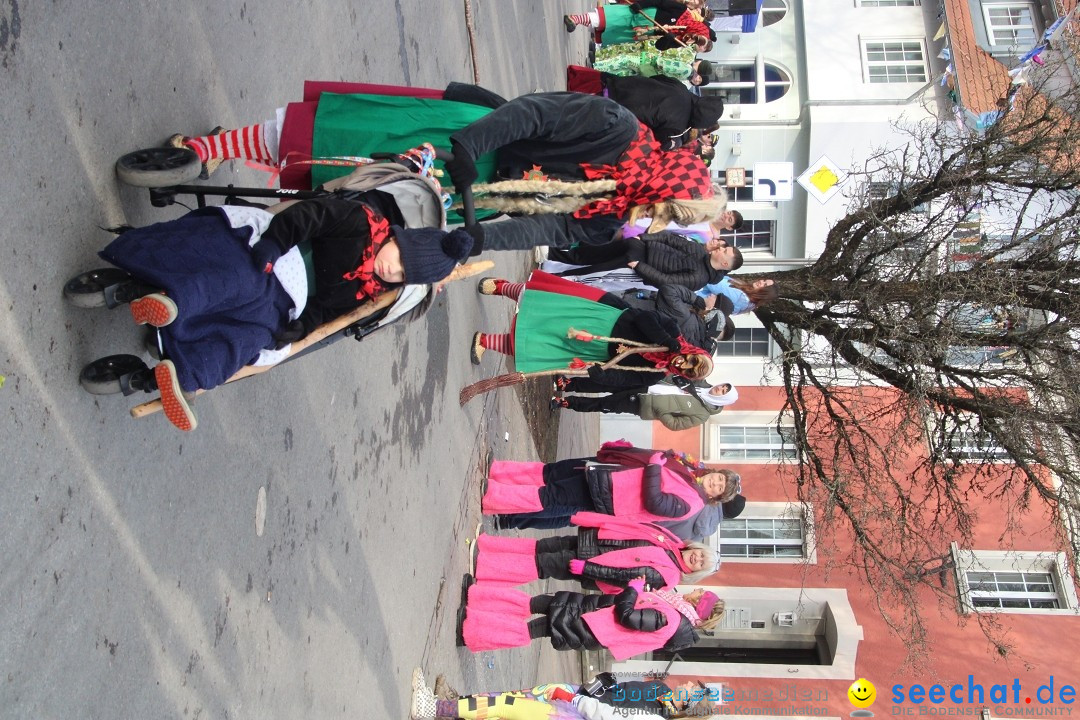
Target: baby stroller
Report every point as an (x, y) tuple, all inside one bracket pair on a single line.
[(416, 197)]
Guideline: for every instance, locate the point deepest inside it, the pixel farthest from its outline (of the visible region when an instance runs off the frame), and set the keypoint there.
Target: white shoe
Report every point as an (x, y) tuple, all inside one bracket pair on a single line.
[(423, 700)]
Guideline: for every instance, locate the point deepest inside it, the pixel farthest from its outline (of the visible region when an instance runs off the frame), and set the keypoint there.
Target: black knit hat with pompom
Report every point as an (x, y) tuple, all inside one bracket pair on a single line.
[(428, 255)]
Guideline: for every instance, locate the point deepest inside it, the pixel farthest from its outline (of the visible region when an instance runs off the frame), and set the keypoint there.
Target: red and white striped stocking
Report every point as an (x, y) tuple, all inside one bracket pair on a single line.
[(254, 142)]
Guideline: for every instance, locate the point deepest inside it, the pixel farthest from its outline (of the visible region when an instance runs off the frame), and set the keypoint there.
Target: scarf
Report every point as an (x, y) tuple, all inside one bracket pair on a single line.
[(718, 400), (646, 175), (677, 601), (691, 21), (370, 284), (662, 360)]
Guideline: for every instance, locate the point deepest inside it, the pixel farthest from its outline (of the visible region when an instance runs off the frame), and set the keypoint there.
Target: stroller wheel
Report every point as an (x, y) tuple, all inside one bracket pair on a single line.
[(103, 376), (87, 290), (158, 167)]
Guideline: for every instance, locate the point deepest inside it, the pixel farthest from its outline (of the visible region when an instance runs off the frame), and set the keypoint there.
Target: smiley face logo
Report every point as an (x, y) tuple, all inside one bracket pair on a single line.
[(862, 693)]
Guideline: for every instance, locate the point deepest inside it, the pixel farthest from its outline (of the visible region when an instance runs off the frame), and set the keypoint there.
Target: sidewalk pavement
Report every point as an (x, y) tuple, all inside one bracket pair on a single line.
[(579, 436), (504, 435)]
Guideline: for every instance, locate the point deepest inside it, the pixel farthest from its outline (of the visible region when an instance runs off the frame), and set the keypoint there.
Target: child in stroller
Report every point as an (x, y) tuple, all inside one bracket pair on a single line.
[(227, 286)]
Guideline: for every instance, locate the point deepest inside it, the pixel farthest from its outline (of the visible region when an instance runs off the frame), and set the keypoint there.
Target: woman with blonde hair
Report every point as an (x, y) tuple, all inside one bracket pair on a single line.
[(630, 623), (602, 559)]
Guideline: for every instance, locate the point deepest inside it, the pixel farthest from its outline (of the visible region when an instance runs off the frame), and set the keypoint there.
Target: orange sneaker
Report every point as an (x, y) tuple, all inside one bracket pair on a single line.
[(153, 309), (173, 402)]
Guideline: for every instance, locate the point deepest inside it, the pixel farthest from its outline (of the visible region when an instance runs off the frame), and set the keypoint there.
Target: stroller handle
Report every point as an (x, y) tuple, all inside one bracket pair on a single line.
[(467, 207)]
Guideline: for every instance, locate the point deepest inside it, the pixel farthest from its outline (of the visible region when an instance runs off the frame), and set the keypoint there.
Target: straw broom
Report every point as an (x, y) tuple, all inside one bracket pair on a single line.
[(625, 349)]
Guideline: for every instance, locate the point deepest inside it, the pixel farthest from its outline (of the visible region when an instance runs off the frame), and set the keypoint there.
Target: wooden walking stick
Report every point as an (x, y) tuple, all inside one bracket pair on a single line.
[(516, 378)]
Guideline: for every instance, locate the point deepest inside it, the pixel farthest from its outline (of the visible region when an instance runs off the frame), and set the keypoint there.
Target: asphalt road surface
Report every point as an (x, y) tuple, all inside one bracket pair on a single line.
[(136, 579)]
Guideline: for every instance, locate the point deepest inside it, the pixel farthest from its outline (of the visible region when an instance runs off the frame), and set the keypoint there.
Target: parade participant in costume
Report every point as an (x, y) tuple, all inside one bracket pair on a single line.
[(744, 296), (550, 308), (662, 103), (622, 23), (306, 141), (226, 285), (572, 136), (645, 59), (602, 699), (676, 408), (604, 559), (632, 622), (620, 481)]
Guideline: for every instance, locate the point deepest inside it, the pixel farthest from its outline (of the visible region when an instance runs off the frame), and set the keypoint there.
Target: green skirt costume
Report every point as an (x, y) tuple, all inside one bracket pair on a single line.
[(540, 341), (359, 125), (619, 23)]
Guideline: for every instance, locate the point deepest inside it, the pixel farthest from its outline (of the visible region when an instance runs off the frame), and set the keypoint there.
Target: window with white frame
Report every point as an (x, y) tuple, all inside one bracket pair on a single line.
[(894, 61), (751, 443), (1011, 24), (747, 82), (1014, 581), (967, 443), (747, 342), (753, 235), (767, 532)]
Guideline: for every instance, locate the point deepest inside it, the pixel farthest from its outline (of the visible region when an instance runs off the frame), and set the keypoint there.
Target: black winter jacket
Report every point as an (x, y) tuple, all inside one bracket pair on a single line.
[(644, 326), (338, 232), (569, 632), (667, 258), (680, 304), (664, 105), (595, 571)]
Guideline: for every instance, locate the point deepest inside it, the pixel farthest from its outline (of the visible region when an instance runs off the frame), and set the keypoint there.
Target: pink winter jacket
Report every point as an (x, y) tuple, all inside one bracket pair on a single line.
[(627, 491), (624, 642)]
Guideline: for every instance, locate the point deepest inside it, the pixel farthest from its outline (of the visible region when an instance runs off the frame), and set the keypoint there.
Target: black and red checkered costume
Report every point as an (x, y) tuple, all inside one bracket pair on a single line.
[(565, 134), (645, 174)]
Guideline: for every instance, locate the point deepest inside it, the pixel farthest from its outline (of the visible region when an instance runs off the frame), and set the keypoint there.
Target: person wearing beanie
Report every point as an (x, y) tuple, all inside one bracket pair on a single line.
[(734, 507), (702, 73), (605, 698), (620, 484), (227, 286), (359, 250)]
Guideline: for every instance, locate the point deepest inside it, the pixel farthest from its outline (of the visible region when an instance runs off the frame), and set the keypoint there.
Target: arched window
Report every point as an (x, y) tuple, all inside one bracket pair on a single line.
[(773, 11), (748, 82)]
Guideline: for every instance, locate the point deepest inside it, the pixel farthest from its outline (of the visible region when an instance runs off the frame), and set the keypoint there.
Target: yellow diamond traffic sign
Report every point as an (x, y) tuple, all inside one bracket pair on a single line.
[(822, 179)]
